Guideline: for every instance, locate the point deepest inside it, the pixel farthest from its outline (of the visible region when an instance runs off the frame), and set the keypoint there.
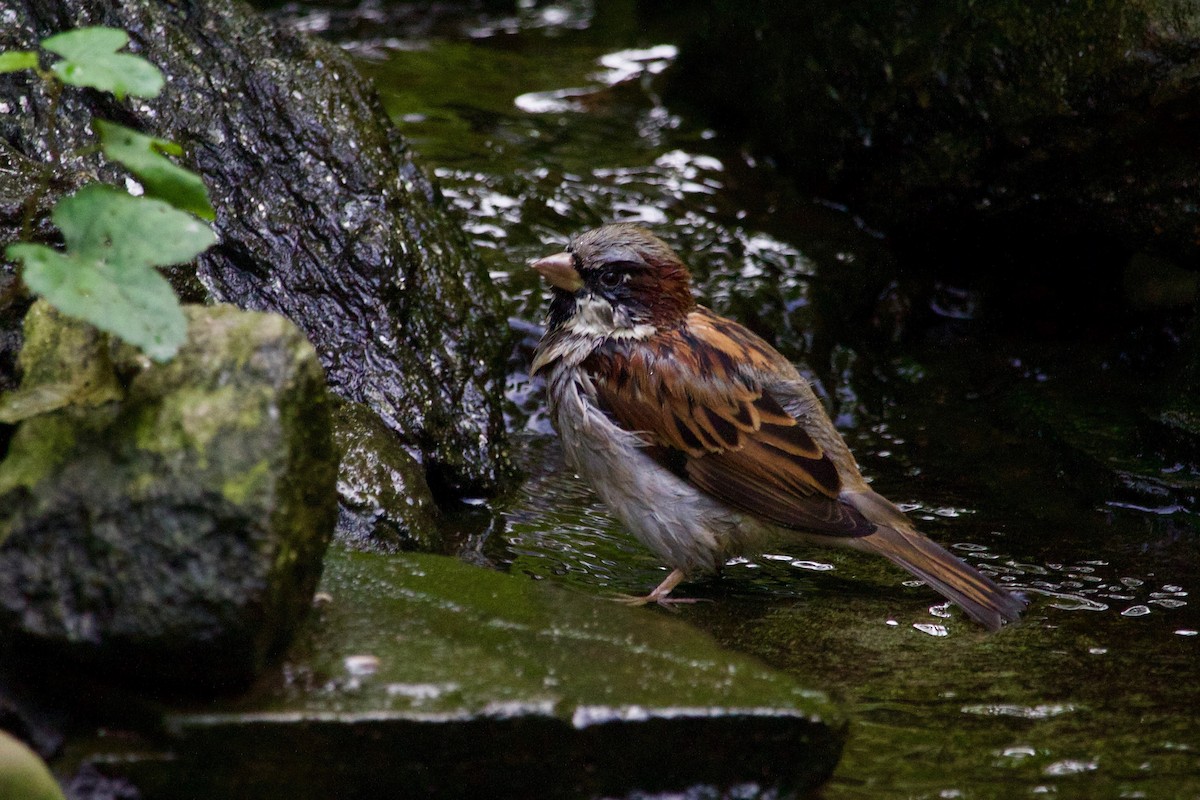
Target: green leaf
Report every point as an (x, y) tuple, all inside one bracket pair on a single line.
[(164, 179), (106, 275), (15, 60), (90, 58)]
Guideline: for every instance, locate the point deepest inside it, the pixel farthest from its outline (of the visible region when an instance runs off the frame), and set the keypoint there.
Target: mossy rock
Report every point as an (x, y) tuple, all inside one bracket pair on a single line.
[(422, 676), (23, 776), (173, 534)]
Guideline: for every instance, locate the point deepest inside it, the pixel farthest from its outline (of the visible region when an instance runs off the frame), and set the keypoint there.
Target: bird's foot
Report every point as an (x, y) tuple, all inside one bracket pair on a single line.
[(661, 594), (664, 600)]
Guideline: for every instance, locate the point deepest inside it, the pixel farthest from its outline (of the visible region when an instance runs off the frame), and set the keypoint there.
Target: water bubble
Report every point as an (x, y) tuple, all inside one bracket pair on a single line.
[(360, 666), (932, 630), (1069, 766), (941, 610), (1019, 751), (625, 64), (1028, 569), (420, 692), (951, 512), (1043, 711), (814, 566), (557, 101)]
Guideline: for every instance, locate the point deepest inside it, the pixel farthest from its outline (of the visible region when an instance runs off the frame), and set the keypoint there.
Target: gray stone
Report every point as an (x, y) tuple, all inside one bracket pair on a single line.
[(176, 534), (421, 676)]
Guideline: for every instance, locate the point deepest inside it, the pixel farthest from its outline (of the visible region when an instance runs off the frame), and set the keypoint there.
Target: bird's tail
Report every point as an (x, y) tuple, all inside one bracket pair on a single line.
[(956, 580), (977, 595)]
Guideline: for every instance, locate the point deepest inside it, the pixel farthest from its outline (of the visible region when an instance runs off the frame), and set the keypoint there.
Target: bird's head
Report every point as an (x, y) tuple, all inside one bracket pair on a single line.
[(618, 281)]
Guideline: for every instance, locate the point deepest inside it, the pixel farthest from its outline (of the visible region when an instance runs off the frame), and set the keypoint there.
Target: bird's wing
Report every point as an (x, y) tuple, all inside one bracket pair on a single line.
[(699, 395)]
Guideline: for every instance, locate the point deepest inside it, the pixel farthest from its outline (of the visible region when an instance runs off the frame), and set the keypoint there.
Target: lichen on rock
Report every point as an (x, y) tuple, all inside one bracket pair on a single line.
[(174, 533)]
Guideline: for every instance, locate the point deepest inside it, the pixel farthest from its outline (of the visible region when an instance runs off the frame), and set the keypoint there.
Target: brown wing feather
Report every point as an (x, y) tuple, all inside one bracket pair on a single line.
[(719, 427)]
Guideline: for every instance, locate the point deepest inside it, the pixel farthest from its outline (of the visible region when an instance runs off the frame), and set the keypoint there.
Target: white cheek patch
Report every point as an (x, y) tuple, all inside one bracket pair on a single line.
[(594, 316)]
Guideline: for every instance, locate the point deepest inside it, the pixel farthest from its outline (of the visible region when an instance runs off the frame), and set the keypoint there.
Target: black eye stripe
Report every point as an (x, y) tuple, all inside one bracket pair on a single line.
[(624, 266), (620, 268)]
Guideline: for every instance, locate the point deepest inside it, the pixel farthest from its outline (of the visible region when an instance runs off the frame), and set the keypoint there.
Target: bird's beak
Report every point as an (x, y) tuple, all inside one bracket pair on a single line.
[(559, 271)]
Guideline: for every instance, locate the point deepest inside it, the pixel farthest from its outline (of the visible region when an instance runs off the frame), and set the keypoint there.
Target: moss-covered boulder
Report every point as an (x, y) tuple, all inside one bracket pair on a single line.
[(421, 676), (173, 532), (323, 215)]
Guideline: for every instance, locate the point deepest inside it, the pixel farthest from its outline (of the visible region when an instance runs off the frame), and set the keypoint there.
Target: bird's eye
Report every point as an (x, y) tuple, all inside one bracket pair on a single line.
[(610, 279)]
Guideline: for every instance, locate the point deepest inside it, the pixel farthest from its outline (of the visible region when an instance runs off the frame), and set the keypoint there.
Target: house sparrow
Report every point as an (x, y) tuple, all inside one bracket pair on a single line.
[(700, 437)]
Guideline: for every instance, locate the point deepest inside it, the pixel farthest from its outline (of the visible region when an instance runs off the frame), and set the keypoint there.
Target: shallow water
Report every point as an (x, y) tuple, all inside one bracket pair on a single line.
[(1031, 455)]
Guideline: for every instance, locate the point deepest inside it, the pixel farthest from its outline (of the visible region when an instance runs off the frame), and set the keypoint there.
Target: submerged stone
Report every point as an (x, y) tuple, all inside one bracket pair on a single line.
[(424, 676), (174, 534), (1125, 456)]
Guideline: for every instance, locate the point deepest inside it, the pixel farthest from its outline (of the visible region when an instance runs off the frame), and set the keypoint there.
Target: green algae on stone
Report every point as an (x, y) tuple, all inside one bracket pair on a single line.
[(63, 362), (176, 534), (424, 676)]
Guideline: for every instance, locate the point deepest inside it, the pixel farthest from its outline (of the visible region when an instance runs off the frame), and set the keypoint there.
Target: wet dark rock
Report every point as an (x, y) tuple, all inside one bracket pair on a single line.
[(173, 534), (322, 214), (23, 717), (90, 784), (1058, 135), (384, 502), (423, 676), (1136, 457)]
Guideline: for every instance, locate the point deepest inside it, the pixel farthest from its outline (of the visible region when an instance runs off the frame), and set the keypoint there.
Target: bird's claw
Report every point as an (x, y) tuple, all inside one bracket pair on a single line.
[(666, 601)]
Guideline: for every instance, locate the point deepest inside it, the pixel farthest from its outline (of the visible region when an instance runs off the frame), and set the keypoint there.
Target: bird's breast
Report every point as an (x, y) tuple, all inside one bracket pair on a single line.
[(687, 528)]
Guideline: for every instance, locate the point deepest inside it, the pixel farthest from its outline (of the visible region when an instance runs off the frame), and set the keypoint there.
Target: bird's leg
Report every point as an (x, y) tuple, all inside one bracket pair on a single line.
[(659, 595)]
